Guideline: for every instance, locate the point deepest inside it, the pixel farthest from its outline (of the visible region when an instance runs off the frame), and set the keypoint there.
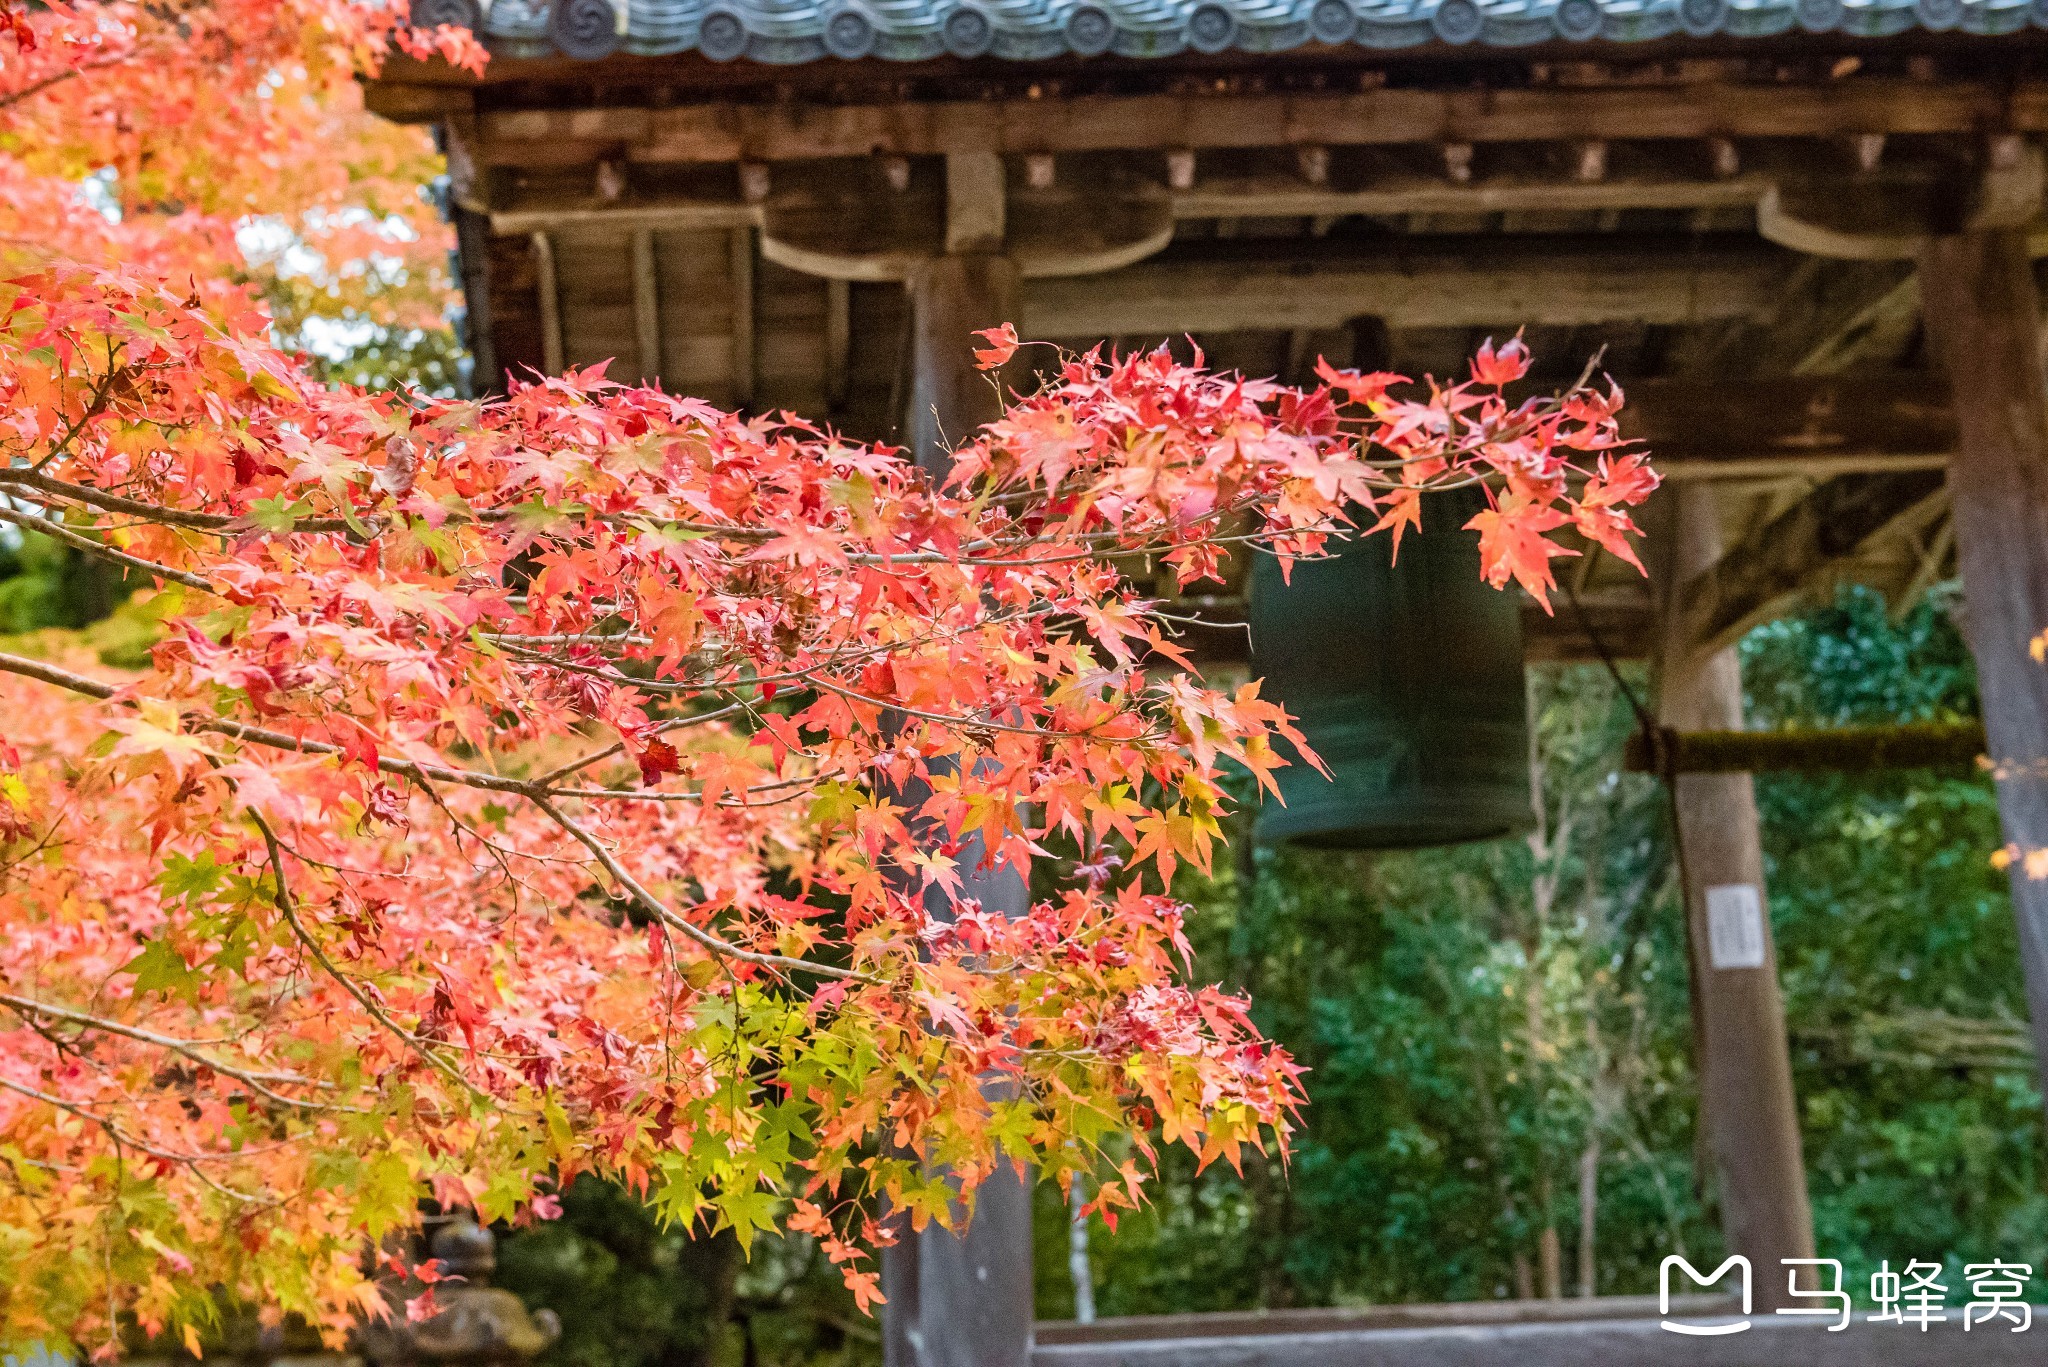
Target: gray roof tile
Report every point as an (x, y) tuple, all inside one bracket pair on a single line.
[(793, 31)]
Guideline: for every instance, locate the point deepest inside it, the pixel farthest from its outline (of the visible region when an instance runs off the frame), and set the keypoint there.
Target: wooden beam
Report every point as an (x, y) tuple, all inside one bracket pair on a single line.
[(1241, 197), (1984, 317), (970, 1293), (404, 102), (1395, 196), (1228, 1324), (1891, 213), (1747, 1108), (1510, 284), (668, 216), (836, 228), (1880, 329), (549, 292), (646, 307), (741, 255), (1798, 466), (1839, 749), (473, 256), (951, 297), (1882, 420), (726, 131), (1799, 555)]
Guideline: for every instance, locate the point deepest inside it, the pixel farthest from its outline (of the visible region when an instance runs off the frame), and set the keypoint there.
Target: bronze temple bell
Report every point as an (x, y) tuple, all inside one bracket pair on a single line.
[(1406, 677)]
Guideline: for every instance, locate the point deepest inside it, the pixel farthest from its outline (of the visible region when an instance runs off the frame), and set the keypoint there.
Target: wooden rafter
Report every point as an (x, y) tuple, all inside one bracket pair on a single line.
[(1805, 424)]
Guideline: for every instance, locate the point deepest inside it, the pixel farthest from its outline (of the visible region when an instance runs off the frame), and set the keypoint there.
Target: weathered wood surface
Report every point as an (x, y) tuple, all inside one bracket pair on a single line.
[(1512, 283), (1247, 196), (793, 130), (473, 255), (961, 1300), (952, 298), (1741, 1056), (1984, 313), (851, 232), (1770, 1341)]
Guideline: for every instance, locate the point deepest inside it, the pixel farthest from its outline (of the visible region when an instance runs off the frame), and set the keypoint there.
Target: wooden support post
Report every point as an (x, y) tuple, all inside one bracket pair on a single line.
[(838, 340), (963, 1300), (951, 298), (1984, 316), (1743, 1062), (473, 254), (976, 211), (742, 252), (646, 306), (549, 289)]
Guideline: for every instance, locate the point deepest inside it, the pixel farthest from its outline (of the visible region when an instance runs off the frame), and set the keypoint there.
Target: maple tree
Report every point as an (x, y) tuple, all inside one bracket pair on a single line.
[(225, 145), (590, 780), (586, 781)]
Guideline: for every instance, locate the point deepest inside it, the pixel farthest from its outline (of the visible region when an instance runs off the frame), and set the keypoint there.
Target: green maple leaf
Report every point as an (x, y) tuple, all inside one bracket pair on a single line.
[(160, 968), (191, 879), (276, 516)]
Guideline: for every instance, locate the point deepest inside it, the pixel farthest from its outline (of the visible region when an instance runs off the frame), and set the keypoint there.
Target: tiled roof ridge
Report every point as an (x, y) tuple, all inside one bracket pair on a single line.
[(787, 32)]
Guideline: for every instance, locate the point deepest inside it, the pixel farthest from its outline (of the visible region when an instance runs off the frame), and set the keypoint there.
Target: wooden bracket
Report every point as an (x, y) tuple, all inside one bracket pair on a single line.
[(839, 229), (1889, 212)]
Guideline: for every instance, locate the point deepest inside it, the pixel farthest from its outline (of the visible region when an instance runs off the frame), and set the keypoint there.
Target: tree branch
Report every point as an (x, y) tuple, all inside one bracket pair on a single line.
[(250, 1078), (655, 907), (57, 531)]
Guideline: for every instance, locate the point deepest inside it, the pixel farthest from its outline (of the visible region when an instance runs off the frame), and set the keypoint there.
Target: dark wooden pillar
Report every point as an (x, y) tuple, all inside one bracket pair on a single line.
[(952, 298), (964, 1298), (961, 1299), (473, 262), (1744, 1065), (1984, 317)]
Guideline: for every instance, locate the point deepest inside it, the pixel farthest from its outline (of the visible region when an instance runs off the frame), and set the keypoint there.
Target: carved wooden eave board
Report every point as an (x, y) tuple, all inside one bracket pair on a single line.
[(1721, 199)]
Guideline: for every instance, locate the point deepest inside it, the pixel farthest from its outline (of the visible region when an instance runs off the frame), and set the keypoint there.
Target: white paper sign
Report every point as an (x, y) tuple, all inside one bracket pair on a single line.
[(1735, 926)]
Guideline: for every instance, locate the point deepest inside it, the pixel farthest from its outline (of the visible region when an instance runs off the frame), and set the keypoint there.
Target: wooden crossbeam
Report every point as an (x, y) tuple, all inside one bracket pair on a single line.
[(1880, 328), (1232, 197), (1395, 196), (791, 130), (1820, 425), (1578, 1335), (1839, 749), (1582, 282)]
